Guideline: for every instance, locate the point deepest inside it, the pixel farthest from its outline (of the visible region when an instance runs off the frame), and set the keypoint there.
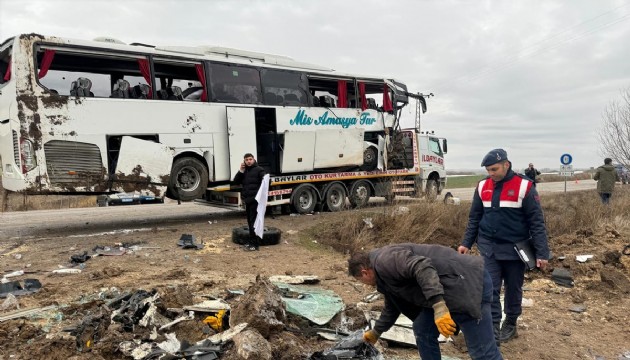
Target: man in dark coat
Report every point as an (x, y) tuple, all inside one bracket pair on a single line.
[(606, 177), (250, 176), (435, 287), (531, 172), (505, 211)]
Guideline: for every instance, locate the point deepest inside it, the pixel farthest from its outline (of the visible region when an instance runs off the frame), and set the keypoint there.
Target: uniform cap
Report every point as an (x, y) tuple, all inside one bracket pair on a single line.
[(493, 157)]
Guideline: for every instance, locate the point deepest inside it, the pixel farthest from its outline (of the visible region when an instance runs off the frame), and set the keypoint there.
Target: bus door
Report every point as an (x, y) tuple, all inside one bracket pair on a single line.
[(241, 131), (143, 166)]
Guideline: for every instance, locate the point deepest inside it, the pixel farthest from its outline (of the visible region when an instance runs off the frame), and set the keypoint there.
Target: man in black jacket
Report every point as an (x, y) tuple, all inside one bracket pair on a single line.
[(531, 172), (250, 176), (435, 287)]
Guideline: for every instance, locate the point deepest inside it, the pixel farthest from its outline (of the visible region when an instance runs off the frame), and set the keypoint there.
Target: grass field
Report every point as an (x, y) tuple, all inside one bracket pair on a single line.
[(466, 181)]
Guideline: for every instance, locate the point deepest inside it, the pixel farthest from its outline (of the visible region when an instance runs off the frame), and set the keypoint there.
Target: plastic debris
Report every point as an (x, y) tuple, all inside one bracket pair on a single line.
[(368, 222), (578, 308), (6, 277), (294, 280), (352, 347), (187, 241), (583, 258), (527, 302), (14, 287), (66, 271), (562, 277), (79, 259)]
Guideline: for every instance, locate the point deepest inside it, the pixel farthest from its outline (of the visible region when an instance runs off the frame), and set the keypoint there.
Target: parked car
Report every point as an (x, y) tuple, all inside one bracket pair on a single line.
[(127, 199), (624, 174)]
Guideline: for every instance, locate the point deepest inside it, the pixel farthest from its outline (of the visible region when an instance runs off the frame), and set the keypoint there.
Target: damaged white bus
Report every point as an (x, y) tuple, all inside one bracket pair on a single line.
[(102, 116)]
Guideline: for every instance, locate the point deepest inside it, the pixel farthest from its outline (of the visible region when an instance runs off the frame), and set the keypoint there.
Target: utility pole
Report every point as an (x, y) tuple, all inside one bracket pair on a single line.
[(418, 112)]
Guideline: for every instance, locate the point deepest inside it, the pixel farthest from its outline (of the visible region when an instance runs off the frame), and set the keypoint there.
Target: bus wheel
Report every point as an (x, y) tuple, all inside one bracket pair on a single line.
[(370, 159), (360, 193), (189, 179), (432, 190), (304, 199), (335, 197)]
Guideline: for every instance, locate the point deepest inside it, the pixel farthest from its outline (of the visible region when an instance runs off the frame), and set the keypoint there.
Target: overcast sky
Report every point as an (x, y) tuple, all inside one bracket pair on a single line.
[(532, 77)]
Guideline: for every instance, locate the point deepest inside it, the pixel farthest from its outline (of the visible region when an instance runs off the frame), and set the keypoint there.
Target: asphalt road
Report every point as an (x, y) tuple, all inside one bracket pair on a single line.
[(466, 194), (67, 222)]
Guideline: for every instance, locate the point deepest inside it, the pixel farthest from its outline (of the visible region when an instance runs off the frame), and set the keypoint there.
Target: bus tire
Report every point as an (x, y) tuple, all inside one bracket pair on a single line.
[(271, 235), (360, 193), (335, 197), (370, 159), (432, 190), (304, 199), (189, 179)]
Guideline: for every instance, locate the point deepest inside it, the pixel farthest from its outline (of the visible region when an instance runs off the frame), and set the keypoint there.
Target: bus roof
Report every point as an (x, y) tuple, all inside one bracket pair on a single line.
[(213, 53)]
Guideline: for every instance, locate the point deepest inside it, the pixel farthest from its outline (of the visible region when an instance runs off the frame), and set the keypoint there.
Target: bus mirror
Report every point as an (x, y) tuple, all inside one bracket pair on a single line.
[(444, 146), (401, 97)]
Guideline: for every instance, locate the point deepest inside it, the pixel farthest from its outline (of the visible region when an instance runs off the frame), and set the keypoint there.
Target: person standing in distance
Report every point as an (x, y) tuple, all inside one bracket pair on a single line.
[(531, 172), (505, 210), (250, 177), (606, 177)]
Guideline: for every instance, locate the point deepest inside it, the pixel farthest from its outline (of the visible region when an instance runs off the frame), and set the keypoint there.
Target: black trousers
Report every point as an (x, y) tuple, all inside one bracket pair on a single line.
[(252, 212)]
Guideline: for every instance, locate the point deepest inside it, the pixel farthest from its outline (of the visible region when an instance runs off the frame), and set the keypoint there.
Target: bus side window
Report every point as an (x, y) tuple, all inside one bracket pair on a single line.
[(179, 81), (88, 75), (235, 84)]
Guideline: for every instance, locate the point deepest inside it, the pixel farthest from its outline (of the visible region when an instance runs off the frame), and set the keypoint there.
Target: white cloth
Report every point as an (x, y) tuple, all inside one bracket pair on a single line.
[(261, 198)]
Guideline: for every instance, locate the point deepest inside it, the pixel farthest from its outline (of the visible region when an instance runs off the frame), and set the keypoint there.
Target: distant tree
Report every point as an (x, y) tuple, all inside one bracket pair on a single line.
[(614, 135)]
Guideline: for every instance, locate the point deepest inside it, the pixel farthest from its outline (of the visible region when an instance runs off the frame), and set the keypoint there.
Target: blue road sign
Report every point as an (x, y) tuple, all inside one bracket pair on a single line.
[(566, 159)]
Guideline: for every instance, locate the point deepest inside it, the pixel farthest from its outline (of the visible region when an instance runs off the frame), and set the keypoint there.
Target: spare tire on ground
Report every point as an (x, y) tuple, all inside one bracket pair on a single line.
[(271, 235)]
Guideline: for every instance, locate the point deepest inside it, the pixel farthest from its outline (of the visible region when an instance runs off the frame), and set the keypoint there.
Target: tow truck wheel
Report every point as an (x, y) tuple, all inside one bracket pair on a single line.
[(360, 193), (335, 197), (304, 199), (189, 179), (432, 190)]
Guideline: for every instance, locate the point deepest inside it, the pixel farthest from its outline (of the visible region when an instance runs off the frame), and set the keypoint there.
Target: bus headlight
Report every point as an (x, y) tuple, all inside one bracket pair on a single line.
[(27, 151)]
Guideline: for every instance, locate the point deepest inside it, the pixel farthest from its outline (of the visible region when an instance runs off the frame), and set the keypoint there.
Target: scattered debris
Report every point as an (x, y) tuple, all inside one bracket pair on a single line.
[(352, 347), (527, 302), (315, 304), (79, 259), (26, 313), (374, 296), (562, 277), (17, 256), (401, 332), (66, 271), (228, 334), (108, 251), (14, 288), (583, 258), (292, 232), (368, 222), (187, 241), (295, 279), (578, 308), (6, 277)]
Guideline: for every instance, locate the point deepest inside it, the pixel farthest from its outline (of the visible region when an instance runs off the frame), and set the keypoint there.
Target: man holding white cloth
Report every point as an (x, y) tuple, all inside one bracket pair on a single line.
[(250, 176)]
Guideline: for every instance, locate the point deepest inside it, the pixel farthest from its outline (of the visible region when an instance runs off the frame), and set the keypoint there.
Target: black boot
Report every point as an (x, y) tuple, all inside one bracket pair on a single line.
[(508, 330), (496, 328)]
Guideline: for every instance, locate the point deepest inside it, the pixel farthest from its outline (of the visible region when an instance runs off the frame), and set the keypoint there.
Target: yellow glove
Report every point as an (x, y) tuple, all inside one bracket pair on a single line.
[(371, 336), (443, 321)]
